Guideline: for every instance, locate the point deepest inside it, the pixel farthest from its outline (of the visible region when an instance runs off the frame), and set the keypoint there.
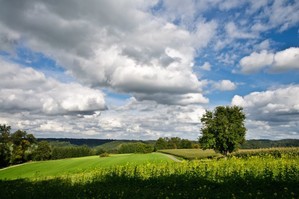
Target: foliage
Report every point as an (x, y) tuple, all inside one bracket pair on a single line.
[(172, 143), (137, 147), (161, 143), (223, 129), (114, 146), (105, 154), (257, 144), (77, 141), (43, 151), (71, 152), (226, 178), (17, 147)]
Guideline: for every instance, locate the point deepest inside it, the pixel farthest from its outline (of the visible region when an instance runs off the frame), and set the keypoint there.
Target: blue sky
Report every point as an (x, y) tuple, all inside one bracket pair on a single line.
[(143, 70)]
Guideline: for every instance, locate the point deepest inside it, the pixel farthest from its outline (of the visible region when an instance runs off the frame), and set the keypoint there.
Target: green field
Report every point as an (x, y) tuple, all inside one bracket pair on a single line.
[(191, 154), (155, 176), (78, 165)]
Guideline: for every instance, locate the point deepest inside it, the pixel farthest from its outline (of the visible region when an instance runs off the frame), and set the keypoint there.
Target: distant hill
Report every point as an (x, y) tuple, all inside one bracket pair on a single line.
[(256, 144), (112, 144), (78, 141), (105, 143)]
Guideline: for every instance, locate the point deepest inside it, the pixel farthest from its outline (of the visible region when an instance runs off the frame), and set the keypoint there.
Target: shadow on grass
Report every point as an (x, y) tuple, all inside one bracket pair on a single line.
[(175, 186)]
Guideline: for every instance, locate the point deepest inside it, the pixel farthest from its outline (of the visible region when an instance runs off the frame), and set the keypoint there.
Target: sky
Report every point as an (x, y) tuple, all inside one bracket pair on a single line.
[(141, 70)]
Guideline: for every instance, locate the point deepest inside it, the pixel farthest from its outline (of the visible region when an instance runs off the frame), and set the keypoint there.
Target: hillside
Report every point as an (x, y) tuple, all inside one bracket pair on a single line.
[(73, 166)]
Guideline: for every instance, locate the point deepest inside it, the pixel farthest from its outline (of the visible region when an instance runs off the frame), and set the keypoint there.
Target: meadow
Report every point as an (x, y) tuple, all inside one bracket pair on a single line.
[(191, 154), (233, 177), (71, 166)]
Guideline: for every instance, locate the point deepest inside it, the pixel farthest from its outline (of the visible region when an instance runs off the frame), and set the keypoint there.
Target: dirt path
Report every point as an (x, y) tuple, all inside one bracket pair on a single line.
[(10, 167), (172, 157), (17, 165)]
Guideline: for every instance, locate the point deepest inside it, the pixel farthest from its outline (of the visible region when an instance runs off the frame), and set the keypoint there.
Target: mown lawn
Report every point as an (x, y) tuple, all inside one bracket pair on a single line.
[(78, 165)]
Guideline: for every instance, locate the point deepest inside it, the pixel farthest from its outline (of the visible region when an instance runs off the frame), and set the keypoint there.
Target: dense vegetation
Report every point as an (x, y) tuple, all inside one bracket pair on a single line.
[(173, 143), (257, 144), (253, 177), (113, 145), (78, 141), (223, 129), (137, 147), (17, 147)]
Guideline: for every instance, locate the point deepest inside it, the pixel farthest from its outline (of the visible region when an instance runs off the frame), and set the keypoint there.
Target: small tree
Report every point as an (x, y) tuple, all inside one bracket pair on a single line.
[(223, 130)]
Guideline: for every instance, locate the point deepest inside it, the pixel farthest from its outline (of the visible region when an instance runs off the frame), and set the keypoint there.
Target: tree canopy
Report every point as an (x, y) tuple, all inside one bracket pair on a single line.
[(223, 129)]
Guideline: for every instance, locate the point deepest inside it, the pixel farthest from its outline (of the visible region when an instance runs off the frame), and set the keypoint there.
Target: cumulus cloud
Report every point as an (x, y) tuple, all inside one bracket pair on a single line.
[(225, 85), (281, 61), (25, 89), (287, 59), (277, 110), (107, 44), (256, 61)]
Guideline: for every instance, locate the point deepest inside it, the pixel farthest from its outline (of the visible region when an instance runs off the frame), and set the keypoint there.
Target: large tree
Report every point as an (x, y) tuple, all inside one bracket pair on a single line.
[(5, 154), (223, 129)]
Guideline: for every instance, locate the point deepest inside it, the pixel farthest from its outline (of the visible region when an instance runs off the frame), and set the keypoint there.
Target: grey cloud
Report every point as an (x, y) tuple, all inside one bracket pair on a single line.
[(128, 122), (163, 98)]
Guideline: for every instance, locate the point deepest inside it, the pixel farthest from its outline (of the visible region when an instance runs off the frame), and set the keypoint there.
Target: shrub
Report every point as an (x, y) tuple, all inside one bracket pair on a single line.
[(105, 154)]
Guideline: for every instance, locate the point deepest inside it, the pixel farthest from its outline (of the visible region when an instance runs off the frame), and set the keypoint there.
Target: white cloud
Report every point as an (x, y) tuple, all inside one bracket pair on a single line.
[(277, 109), (206, 66), (277, 14), (116, 45), (233, 31), (286, 60), (281, 61), (225, 85), (283, 14), (230, 4), (205, 31), (25, 89), (256, 61), (264, 45)]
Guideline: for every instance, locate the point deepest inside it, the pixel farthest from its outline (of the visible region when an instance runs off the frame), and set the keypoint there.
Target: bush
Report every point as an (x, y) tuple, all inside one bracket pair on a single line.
[(137, 147), (102, 155)]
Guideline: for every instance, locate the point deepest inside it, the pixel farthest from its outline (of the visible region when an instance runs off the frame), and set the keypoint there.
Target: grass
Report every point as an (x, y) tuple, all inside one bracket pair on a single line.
[(56, 168), (155, 176), (191, 154), (255, 177)]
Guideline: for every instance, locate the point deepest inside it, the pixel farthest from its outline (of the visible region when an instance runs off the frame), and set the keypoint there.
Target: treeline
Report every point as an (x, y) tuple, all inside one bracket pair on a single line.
[(78, 141), (137, 147), (174, 143), (19, 147), (258, 144)]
